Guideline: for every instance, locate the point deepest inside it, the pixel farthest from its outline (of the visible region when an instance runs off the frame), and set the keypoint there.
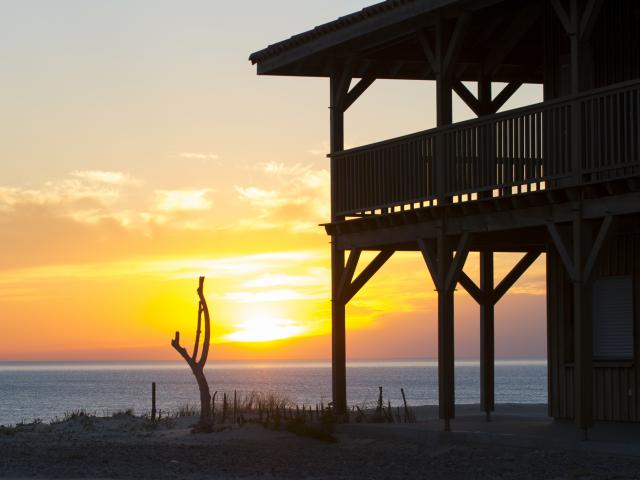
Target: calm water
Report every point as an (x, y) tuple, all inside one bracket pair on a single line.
[(48, 390)]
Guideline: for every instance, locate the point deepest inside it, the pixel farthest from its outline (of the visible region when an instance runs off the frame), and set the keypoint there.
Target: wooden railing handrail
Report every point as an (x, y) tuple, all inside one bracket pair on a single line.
[(568, 141), (535, 107)]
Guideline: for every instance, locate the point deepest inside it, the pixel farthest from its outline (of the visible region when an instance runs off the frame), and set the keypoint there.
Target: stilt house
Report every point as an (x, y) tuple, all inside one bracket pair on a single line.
[(560, 177)]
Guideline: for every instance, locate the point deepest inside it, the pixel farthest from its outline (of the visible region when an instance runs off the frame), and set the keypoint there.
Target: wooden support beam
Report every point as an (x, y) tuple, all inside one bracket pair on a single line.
[(349, 271), (366, 274), (338, 328), (429, 255), (343, 75), (561, 249), (356, 91), (487, 337), (446, 344), (485, 103), (505, 94), (338, 335), (462, 251), (512, 277), (445, 271), (582, 327), (471, 288), (603, 233), (467, 97), (589, 18), (562, 14)]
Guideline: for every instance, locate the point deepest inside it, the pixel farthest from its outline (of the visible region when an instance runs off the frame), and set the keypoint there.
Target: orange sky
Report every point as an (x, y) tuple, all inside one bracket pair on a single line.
[(140, 150)]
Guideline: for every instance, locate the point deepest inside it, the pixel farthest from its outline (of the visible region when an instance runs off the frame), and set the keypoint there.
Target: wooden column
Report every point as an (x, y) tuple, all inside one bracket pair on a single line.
[(577, 54), (487, 342), (583, 330), (338, 330), (486, 295), (580, 260), (444, 108), (446, 369), (578, 23), (484, 96)]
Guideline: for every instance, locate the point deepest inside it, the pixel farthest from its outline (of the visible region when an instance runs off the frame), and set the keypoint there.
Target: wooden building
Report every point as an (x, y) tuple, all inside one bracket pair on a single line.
[(560, 178)]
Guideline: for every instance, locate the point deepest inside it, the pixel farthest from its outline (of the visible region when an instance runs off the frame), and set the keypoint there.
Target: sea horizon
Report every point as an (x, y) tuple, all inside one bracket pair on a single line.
[(48, 390)]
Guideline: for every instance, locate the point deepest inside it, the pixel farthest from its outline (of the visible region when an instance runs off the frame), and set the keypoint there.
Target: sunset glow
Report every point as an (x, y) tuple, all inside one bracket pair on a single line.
[(128, 172)]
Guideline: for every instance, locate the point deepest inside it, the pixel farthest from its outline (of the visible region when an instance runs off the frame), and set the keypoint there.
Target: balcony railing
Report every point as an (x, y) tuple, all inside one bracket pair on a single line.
[(591, 137)]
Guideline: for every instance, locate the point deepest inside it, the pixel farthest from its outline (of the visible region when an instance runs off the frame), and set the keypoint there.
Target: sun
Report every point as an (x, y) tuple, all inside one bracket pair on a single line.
[(264, 328)]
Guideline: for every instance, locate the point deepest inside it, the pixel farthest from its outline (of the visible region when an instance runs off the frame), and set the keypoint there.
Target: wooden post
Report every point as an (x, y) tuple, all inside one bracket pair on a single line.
[(235, 406), (153, 401), (582, 324), (338, 332), (487, 349), (444, 111), (576, 46), (445, 332)]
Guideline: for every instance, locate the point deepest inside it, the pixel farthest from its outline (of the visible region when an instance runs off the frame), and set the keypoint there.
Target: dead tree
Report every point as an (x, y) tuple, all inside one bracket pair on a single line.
[(197, 365)]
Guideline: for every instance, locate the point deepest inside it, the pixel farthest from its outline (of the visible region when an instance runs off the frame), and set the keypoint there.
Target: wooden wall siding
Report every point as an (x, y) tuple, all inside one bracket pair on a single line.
[(509, 153), (616, 42), (616, 388)]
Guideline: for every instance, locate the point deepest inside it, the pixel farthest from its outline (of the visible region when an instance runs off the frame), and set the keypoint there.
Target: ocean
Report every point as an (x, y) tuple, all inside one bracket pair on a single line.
[(45, 391)]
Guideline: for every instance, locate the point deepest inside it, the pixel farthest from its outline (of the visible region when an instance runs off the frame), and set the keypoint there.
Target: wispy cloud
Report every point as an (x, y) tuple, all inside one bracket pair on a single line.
[(182, 200), (83, 195), (296, 199), (198, 155)]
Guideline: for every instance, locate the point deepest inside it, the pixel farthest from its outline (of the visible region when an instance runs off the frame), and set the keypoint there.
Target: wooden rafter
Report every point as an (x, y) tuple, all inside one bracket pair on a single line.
[(428, 50), (455, 43), (510, 38)]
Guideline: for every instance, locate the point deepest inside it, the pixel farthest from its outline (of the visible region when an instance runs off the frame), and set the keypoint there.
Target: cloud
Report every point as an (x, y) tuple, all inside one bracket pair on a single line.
[(182, 200), (316, 277), (104, 177), (297, 198), (198, 156), (83, 195)]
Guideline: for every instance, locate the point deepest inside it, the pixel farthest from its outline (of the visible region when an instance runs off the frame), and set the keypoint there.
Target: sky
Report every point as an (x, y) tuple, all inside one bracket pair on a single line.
[(139, 150)]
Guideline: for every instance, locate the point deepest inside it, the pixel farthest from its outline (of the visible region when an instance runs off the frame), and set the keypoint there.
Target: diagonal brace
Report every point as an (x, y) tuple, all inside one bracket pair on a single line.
[(370, 270), (514, 275)]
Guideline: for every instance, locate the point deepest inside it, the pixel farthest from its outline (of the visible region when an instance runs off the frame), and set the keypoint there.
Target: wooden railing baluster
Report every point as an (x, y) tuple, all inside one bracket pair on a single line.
[(594, 136)]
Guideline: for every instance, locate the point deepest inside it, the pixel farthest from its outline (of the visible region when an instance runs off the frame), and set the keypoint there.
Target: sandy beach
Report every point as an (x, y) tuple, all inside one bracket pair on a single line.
[(130, 447)]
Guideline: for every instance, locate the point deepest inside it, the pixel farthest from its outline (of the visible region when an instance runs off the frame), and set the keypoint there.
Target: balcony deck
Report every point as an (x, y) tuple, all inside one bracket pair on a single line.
[(550, 146)]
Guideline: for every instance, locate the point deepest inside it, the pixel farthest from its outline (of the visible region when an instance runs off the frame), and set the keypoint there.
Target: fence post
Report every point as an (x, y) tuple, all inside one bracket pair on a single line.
[(153, 401)]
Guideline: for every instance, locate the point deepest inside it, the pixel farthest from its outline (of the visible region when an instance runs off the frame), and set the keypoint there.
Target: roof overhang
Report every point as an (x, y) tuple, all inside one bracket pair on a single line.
[(382, 40)]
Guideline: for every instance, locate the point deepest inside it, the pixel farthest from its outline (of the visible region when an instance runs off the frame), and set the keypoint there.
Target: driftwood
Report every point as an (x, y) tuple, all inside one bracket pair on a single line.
[(197, 364)]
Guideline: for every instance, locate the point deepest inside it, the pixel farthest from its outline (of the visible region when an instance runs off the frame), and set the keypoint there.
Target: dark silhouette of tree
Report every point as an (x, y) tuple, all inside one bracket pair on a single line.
[(197, 365)]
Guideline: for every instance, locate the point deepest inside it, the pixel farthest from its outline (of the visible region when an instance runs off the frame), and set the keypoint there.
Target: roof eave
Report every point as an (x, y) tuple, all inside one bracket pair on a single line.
[(278, 63)]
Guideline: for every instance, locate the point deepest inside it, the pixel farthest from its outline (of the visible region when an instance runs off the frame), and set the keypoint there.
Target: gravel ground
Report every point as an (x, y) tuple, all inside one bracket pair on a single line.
[(126, 451)]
